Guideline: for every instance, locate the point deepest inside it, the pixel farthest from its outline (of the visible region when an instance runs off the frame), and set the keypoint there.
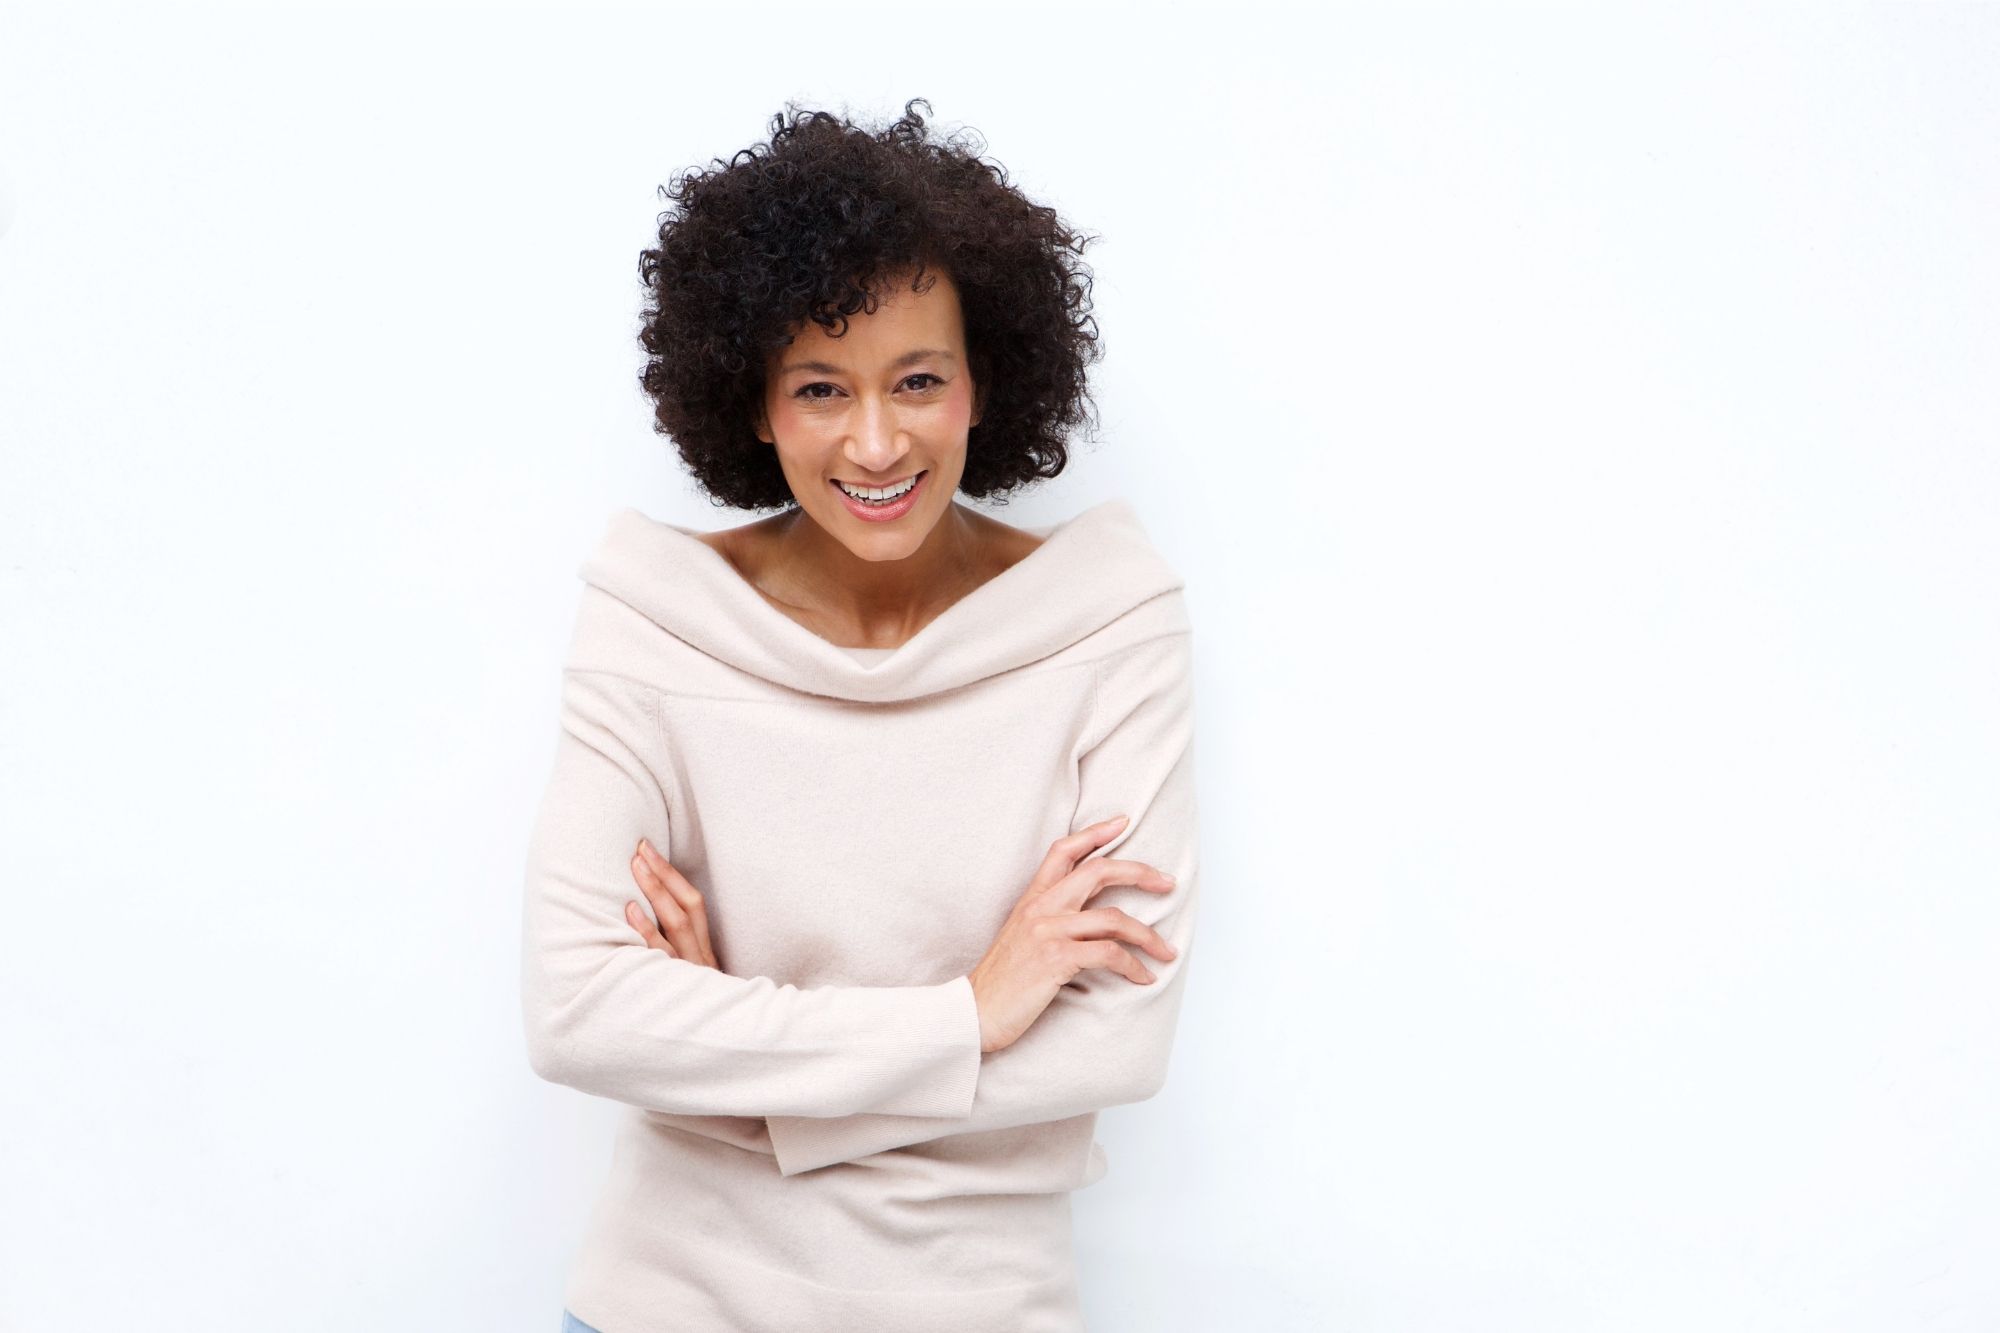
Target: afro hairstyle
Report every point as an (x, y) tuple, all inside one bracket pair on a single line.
[(814, 225)]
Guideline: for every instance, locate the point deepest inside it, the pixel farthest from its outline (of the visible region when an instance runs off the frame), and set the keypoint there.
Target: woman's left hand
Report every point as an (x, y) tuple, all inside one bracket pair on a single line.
[(676, 903)]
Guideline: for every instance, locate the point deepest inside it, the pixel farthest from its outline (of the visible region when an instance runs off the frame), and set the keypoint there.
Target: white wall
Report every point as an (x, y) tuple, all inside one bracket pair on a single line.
[(1579, 434)]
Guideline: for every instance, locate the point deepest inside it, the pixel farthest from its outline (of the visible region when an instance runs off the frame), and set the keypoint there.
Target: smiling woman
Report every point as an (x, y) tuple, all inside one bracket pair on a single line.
[(890, 430), (799, 235), (819, 885)]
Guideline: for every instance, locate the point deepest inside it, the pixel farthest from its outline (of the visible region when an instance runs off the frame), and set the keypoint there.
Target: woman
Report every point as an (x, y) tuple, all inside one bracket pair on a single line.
[(819, 885)]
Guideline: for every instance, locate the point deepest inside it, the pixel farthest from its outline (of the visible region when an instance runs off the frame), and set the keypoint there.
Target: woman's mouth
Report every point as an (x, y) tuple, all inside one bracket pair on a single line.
[(901, 498)]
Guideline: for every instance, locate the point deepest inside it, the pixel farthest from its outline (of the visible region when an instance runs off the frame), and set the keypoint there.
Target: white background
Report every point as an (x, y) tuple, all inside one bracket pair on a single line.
[(1578, 432)]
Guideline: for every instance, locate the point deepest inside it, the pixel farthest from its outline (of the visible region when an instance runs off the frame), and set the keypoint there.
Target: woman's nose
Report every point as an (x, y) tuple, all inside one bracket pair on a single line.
[(878, 440)]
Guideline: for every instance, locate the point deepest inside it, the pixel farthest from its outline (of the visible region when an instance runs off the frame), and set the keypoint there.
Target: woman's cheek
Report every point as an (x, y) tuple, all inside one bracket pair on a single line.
[(961, 403)]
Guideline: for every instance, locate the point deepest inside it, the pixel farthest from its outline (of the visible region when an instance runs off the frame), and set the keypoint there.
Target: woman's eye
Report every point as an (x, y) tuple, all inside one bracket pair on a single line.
[(806, 391)]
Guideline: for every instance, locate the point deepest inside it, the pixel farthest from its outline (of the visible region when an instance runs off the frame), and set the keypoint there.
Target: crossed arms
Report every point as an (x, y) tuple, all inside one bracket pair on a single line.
[(841, 1072)]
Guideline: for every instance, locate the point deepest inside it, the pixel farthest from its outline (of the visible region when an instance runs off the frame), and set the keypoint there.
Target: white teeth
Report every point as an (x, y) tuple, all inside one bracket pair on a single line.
[(876, 493)]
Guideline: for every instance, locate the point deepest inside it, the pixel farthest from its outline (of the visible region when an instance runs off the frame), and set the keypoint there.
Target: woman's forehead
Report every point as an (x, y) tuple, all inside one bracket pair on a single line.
[(905, 327)]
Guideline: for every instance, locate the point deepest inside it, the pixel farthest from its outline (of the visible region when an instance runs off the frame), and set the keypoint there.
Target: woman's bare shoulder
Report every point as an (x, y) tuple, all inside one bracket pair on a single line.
[(1006, 545), (743, 544)]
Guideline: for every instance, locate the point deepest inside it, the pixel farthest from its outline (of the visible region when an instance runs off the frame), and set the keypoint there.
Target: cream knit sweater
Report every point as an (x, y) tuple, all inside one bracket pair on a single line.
[(815, 1143)]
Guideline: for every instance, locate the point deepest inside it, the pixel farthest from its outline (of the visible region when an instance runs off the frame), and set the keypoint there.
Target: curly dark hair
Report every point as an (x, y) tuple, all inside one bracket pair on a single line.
[(811, 226)]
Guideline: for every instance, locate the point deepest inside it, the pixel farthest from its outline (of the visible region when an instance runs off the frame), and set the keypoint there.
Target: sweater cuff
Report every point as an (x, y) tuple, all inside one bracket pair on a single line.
[(945, 1025), (949, 1091)]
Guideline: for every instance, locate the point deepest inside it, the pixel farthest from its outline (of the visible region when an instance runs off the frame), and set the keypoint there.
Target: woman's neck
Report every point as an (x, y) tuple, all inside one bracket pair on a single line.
[(803, 571)]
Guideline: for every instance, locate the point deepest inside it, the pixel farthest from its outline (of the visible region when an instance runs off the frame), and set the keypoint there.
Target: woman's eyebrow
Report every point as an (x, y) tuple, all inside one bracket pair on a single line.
[(823, 368)]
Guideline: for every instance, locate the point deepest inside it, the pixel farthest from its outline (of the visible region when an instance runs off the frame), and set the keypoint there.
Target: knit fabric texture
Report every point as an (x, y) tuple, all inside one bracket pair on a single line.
[(812, 1138)]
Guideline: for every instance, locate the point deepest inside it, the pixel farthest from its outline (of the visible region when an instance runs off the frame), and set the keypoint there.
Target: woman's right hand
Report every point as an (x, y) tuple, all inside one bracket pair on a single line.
[(1049, 936)]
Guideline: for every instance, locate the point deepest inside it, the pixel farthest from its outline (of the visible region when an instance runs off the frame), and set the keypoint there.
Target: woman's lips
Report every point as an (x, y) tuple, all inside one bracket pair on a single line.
[(861, 509)]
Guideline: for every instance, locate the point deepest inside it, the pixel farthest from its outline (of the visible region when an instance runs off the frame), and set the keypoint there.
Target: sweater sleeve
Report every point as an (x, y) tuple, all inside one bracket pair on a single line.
[(605, 1013), (1104, 1040)]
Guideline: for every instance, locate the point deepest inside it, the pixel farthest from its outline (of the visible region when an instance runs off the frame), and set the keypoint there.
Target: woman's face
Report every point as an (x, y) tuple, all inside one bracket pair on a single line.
[(889, 400)]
